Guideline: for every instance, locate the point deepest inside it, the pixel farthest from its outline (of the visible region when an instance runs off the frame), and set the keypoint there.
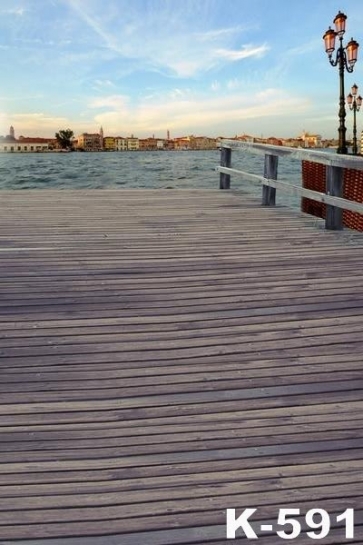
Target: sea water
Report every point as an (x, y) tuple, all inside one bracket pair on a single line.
[(147, 170)]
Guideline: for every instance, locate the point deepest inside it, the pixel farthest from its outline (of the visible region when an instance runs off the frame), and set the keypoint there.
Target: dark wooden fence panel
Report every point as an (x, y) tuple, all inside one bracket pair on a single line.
[(314, 176)]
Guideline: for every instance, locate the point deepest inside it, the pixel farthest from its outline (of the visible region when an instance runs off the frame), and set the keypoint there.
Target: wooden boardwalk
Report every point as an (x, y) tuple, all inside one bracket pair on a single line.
[(165, 355)]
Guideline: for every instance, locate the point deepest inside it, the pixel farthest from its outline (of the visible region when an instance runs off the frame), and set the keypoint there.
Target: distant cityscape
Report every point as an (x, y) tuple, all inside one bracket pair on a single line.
[(95, 142)]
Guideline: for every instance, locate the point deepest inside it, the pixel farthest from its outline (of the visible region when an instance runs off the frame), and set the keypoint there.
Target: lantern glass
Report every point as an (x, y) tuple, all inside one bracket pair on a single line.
[(352, 52), (350, 99), (329, 40), (339, 22), (359, 101), (354, 89)]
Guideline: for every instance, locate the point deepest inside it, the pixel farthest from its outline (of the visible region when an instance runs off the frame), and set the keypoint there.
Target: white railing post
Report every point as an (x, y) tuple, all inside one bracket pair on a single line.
[(270, 171), (226, 161)]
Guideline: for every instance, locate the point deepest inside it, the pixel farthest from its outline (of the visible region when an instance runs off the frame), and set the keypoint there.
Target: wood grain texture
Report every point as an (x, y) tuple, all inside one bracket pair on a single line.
[(167, 354)]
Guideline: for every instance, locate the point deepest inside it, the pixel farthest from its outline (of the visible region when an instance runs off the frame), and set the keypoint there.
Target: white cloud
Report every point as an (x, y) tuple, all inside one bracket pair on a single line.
[(215, 86), (104, 83), (19, 12), (212, 35), (178, 94), (15, 98), (172, 41), (193, 113), (233, 84), (308, 47), (116, 102), (243, 53)]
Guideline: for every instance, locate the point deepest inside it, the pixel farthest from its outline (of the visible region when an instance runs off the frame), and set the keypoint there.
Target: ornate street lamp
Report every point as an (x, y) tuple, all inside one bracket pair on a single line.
[(354, 103), (346, 57)]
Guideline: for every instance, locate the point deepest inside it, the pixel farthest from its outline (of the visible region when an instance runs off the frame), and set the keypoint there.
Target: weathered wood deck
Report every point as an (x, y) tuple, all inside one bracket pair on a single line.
[(167, 354)]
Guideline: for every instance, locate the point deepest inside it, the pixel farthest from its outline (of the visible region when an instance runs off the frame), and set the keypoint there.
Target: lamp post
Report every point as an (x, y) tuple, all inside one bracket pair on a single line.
[(354, 102), (345, 58)]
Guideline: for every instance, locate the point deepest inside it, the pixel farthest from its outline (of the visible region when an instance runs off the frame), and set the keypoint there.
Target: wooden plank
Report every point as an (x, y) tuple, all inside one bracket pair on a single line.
[(185, 381), (188, 445), (215, 489), (228, 474), (178, 531), (185, 522), (113, 390), (321, 412), (255, 466), (189, 504)]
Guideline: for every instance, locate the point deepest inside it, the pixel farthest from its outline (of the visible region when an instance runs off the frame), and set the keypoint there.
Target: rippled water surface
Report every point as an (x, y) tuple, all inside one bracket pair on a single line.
[(163, 169), (108, 170), (128, 169)]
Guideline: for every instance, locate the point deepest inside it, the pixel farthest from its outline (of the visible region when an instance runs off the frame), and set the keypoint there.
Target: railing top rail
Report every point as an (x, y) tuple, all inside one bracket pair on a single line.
[(331, 159)]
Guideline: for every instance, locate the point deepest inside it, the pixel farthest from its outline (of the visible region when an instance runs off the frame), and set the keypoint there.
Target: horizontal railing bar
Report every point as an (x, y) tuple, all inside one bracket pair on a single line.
[(296, 190), (336, 160)]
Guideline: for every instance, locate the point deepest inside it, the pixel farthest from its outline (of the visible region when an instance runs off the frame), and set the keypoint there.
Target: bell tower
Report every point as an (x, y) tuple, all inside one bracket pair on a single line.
[(101, 137)]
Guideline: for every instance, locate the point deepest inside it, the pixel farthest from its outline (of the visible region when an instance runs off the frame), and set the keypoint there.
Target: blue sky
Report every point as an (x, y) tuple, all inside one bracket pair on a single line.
[(142, 67)]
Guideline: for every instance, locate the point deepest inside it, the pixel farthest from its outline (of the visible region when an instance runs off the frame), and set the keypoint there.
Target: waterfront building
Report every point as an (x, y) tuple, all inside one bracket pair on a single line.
[(132, 143), (242, 138), (148, 144), (23, 147), (169, 144), (203, 143), (109, 143), (245, 138), (293, 142), (98, 142), (311, 140), (120, 143), (25, 144), (151, 143), (90, 141), (273, 141), (195, 143), (182, 143), (52, 142)]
